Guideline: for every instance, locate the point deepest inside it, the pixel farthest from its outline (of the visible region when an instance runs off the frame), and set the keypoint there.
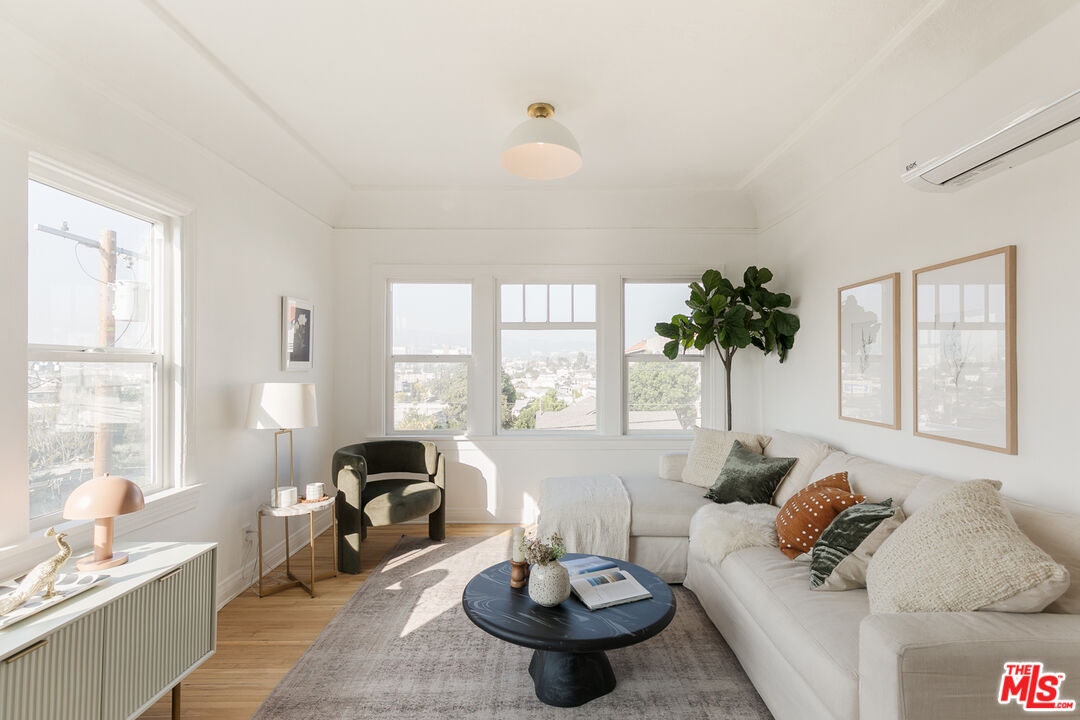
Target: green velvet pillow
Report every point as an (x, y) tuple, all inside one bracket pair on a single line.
[(840, 540), (748, 477)]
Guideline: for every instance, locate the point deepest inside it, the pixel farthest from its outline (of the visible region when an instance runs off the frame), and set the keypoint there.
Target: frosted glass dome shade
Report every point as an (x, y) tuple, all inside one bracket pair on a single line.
[(541, 149)]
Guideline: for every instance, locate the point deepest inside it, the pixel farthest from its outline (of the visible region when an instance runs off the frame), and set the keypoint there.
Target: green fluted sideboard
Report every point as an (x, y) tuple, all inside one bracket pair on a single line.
[(111, 652)]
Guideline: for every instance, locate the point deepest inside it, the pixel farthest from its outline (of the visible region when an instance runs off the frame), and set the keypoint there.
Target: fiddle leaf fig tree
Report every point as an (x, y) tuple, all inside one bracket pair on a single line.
[(731, 318)]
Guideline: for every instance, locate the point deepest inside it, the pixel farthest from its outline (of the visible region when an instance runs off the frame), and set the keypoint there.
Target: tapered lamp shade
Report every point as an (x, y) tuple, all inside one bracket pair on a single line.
[(282, 406), (541, 148), (100, 500)]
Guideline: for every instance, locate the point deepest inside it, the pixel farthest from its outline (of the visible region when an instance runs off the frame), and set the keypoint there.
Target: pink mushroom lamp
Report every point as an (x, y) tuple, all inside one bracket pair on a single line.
[(101, 500)]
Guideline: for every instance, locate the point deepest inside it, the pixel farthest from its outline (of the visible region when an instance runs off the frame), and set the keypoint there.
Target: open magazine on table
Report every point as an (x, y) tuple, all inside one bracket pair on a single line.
[(600, 583)]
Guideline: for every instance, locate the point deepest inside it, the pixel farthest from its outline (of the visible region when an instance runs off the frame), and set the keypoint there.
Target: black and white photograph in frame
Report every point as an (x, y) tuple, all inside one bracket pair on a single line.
[(297, 333)]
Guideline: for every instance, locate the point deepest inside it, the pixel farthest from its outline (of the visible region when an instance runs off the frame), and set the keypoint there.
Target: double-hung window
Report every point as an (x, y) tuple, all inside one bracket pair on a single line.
[(547, 335), (430, 349), (661, 394), (101, 308)]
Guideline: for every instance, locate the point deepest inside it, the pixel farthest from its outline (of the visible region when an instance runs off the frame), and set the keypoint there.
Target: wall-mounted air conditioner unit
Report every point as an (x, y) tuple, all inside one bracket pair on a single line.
[(1024, 104)]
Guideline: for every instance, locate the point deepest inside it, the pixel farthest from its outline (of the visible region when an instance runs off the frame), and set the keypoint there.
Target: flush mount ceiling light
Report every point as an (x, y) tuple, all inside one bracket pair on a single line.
[(541, 148)]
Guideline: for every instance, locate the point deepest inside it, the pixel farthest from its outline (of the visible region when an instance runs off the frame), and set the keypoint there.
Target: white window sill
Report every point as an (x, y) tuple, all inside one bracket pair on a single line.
[(19, 557), (552, 441)]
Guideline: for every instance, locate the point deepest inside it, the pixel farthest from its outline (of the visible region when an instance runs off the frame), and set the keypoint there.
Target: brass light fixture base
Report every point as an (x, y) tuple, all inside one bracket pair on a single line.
[(541, 110)]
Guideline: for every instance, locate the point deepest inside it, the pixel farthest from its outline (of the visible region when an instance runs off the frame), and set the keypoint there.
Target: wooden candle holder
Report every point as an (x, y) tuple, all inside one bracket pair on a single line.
[(519, 573)]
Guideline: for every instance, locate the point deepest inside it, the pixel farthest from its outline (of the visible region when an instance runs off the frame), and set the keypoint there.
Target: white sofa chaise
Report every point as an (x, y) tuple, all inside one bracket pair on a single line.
[(823, 655)]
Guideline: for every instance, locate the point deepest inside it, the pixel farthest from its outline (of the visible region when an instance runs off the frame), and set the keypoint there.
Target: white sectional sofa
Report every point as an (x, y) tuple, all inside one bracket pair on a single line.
[(814, 654)]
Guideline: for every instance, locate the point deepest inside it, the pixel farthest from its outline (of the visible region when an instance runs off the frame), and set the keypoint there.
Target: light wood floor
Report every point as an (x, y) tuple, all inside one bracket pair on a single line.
[(254, 652)]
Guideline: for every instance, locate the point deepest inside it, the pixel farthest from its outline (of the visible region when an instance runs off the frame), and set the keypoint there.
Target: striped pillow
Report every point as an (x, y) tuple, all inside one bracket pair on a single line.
[(839, 558), (803, 518)]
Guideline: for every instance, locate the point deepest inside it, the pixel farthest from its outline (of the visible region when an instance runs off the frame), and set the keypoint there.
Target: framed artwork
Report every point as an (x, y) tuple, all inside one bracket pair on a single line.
[(869, 351), (297, 334), (965, 351)]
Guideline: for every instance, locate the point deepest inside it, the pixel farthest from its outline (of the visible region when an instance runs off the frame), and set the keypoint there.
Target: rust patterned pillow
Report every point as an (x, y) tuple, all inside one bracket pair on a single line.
[(809, 511)]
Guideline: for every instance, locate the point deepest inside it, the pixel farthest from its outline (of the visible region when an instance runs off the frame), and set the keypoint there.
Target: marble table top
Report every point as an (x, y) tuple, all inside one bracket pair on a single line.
[(300, 508), (509, 614)]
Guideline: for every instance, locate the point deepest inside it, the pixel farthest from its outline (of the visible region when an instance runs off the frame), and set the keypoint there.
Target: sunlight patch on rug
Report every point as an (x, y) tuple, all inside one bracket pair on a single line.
[(433, 601)]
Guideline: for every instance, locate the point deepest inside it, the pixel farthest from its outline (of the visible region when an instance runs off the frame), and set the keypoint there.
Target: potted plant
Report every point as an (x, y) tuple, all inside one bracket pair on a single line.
[(731, 318), (549, 583)]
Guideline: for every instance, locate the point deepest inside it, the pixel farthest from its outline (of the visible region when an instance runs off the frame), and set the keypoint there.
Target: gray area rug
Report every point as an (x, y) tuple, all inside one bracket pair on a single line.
[(402, 647)]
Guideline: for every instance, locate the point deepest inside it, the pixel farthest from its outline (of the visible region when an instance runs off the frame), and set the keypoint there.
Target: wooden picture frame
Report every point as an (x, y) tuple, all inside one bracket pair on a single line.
[(297, 334), (964, 351), (868, 351)]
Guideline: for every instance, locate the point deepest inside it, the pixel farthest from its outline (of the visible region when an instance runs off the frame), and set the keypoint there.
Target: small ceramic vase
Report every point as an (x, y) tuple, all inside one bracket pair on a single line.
[(549, 584)]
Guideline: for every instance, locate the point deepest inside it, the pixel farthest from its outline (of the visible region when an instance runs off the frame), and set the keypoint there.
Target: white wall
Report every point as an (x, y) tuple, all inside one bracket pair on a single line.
[(832, 210), (498, 478), (250, 247), (864, 223)]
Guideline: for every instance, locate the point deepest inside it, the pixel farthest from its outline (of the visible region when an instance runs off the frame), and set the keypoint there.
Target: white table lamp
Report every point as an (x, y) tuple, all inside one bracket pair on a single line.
[(282, 407)]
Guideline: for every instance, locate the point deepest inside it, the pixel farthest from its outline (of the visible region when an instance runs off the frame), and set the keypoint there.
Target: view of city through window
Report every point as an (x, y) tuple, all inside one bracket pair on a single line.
[(430, 347), (548, 379), (547, 357), (660, 394), (547, 347), (89, 286)]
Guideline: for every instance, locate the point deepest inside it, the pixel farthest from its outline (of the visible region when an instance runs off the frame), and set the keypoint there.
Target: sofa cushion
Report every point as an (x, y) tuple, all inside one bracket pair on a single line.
[(662, 508), (963, 552), (875, 480), (748, 476), (809, 452), (803, 518), (395, 500), (709, 451), (1055, 532), (927, 489), (1058, 534), (671, 465), (818, 633), (839, 558)]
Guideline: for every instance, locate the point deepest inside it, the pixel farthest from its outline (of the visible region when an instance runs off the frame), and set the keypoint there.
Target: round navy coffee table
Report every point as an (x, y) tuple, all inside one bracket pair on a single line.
[(568, 667)]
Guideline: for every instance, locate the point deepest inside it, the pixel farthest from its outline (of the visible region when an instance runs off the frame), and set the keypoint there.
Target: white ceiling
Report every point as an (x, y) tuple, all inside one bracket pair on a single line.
[(421, 93)]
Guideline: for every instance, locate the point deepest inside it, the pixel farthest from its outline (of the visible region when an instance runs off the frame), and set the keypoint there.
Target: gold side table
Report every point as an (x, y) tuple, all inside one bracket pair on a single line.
[(299, 510)]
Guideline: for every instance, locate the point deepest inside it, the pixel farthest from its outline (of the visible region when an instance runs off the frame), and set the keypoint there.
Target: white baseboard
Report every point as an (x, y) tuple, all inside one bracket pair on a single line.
[(237, 582), (469, 515)]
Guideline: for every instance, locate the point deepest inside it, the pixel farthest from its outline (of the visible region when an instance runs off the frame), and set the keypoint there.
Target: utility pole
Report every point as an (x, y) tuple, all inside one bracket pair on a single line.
[(106, 337), (108, 252)]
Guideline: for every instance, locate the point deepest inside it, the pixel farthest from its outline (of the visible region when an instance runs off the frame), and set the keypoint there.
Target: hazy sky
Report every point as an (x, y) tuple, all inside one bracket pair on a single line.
[(62, 296), (429, 316)]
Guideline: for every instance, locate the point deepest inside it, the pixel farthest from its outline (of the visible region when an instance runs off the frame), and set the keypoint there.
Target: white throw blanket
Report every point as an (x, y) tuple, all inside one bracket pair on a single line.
[(718, 530), (591, 513)]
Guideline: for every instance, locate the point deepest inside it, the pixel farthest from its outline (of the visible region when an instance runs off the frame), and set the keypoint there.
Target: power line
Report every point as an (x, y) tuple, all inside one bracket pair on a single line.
[(88, 242)]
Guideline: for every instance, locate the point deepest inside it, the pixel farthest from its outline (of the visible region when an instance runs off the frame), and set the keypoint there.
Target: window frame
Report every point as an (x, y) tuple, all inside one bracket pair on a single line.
[(627, 358), (391, 360), (501, 325), (167, 413), (484, 410)]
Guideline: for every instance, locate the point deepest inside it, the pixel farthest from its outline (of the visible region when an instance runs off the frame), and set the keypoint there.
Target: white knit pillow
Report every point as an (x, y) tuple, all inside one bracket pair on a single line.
[(709, 453), (963, 552)]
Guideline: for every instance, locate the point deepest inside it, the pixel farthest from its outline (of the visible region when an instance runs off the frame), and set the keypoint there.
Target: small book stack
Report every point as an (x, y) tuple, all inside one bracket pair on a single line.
[(600, 583)]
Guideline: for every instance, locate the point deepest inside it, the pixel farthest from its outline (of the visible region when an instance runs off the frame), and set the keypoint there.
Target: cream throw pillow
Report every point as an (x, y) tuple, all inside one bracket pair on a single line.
[(963, 552), (709, 453)]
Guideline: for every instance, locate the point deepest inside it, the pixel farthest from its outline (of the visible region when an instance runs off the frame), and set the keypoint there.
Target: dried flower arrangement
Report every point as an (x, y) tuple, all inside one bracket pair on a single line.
[(539, 552)]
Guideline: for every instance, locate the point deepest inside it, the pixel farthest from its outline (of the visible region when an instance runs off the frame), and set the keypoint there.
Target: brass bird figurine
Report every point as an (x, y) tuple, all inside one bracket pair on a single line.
[(42, 577)]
